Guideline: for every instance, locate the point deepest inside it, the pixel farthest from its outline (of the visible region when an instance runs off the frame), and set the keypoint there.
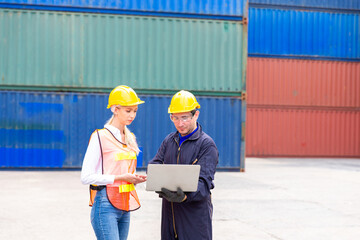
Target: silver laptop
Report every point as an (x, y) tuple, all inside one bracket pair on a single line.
[(172, 176)]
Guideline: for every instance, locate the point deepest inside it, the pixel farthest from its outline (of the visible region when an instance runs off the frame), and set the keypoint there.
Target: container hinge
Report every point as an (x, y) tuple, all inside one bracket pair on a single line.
[(243, 96), (245, 21)]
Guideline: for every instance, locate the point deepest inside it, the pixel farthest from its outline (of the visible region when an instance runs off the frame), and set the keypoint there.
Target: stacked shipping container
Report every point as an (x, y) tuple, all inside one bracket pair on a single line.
[(60, 59), (303, 79)]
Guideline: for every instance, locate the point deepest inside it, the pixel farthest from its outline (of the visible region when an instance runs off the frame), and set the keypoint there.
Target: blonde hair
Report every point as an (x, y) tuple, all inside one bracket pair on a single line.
[(130, 138)]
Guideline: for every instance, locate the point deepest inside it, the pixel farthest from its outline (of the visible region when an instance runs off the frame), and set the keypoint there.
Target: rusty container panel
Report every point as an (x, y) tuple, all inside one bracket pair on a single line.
[(295, 82), (281, 132)]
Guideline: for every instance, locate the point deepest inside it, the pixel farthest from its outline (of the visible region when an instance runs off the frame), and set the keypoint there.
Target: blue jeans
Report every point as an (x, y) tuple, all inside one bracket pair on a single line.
[(109, 223)]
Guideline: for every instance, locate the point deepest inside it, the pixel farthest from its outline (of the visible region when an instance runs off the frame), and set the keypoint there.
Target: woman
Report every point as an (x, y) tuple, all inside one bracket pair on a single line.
[(109, 166)]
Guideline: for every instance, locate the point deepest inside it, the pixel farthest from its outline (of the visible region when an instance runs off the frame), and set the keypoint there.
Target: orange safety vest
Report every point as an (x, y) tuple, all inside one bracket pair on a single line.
[(117, 159)]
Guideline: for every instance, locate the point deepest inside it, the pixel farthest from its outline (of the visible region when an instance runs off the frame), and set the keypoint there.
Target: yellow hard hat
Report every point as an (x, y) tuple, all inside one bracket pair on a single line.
[(183, 101), (124, 96)]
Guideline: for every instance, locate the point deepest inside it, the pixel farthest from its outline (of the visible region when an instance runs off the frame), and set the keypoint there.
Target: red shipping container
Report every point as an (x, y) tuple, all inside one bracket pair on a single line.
[(297, 82), (286, 132)]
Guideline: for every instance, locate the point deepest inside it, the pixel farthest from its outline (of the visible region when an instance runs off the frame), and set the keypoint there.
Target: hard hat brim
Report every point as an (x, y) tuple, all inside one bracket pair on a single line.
[(127, 105), (183, 110)]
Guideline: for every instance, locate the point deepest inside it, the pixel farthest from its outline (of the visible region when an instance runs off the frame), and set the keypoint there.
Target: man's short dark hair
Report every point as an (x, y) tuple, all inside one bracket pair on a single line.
[(193, 112)]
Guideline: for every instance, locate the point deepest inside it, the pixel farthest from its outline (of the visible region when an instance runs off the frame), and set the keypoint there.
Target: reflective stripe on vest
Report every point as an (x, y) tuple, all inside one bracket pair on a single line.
[(126, 188), (125, 156), (119, 159)]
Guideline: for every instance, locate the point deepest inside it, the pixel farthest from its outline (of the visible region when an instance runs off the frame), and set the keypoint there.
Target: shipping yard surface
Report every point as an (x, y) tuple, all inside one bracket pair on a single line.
[(274, 199)]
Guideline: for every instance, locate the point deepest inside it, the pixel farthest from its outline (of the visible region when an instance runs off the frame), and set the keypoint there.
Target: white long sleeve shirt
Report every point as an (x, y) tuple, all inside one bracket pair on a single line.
[(91, 172)]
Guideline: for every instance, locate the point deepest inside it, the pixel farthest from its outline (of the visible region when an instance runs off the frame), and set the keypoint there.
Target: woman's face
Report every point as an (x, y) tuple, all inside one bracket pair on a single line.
[(126, 114)]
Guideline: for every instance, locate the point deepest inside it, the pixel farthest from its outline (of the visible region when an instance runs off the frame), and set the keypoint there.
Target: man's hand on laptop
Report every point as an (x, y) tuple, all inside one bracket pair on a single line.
[(178, 196)]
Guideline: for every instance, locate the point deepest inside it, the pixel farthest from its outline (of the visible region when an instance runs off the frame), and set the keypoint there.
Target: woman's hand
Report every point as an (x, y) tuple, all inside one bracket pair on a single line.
[(131, 178)]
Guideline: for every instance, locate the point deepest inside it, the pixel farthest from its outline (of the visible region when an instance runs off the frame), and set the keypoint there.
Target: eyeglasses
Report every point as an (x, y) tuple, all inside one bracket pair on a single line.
[(183, 119)]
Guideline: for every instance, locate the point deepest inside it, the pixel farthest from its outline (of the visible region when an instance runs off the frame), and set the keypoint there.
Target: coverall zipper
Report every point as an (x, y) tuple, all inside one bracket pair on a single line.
[(172, 204)]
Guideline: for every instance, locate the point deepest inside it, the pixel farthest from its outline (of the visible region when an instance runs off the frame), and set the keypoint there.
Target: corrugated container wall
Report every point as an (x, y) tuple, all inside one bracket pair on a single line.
[(52, 130), (196, 8), (297, 82), (290, 33), (302, 132), (156, 47), (321, 4), (303, 79), (93, 52)]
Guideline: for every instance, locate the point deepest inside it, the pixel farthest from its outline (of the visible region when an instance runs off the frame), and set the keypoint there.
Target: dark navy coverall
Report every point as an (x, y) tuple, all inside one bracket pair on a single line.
[(193, 217)]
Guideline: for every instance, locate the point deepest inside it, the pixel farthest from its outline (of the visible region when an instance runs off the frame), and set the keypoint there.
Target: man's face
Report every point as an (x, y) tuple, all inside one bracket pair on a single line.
[(185, 122)]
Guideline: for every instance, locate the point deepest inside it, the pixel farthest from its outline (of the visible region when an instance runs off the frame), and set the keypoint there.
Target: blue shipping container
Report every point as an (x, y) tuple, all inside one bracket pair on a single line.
[(212, 9), (303, 34), (322, 4), (51, 130)]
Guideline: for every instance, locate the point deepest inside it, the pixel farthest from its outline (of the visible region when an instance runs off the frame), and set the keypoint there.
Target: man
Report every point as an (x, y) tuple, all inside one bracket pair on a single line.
[(187, 215)]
